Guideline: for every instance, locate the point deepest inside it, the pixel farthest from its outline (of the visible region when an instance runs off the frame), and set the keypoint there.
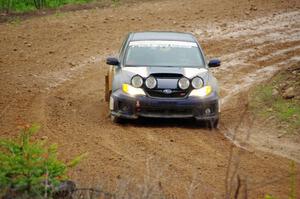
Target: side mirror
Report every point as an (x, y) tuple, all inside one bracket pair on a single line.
[(214, 63), (112, 61)]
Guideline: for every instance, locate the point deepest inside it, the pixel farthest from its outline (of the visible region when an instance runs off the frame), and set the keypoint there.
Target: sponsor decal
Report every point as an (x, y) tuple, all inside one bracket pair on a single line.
[(162, 44)]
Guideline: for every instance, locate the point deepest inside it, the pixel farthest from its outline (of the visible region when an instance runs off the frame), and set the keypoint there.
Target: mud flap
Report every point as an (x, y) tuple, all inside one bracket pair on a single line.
[(106, 89), (108, 82), (107, 92), (111, 104)]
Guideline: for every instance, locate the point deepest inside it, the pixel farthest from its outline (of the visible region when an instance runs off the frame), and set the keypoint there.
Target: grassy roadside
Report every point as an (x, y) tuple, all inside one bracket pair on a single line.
[(278, 100), (18, 10), (21, 6)]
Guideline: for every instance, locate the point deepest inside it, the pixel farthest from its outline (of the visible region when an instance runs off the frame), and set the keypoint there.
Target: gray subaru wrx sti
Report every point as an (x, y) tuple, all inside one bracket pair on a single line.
[(162, 75)]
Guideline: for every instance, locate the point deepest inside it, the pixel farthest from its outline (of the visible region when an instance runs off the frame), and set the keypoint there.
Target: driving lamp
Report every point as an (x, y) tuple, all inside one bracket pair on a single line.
[(137, 81), (197, 82), (151, 82), (184, 83)]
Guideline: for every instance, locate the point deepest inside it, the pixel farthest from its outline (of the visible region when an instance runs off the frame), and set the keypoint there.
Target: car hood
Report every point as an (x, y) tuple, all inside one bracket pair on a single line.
[(125, 74), (146, 71)]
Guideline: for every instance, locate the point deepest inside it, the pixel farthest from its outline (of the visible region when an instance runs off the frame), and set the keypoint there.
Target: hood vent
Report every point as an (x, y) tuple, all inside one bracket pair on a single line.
[(166, 75)]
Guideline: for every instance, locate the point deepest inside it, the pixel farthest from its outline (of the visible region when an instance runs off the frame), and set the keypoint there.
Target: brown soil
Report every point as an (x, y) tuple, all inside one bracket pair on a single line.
[(52, 72)]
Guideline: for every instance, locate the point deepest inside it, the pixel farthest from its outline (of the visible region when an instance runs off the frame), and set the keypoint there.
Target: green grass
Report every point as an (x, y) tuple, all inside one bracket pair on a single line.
[(21, 6), (115, 2), (17, 5), (265, 105), (58, 3), (15, 21)]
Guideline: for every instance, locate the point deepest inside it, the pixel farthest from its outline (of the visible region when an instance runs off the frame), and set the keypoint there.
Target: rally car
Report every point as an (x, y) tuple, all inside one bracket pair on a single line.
[(162, 75)]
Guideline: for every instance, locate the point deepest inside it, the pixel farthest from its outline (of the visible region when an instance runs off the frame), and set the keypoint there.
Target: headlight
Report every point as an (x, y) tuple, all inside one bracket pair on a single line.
[(201, 92), (132, 90), (151, 82), (197, 82), (184, 83), (137, 81)]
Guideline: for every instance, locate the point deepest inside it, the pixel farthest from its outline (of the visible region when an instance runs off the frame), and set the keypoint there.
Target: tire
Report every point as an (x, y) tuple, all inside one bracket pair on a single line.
[(210, 124), (116, 119), (213, 123)]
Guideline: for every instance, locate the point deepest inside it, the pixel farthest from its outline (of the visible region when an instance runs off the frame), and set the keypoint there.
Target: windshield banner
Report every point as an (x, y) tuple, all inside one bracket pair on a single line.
[(163, 44)]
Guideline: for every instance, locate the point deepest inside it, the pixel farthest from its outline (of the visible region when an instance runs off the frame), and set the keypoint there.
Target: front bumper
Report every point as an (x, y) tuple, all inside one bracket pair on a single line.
[(130, 107)]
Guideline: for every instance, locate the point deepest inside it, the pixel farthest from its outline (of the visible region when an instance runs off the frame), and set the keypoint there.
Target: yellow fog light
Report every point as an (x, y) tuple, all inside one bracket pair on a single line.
[(201, 92), (132, 90)]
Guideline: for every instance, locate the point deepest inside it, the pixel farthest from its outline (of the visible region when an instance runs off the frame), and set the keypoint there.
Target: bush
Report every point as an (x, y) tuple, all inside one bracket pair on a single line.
[(28, 168)]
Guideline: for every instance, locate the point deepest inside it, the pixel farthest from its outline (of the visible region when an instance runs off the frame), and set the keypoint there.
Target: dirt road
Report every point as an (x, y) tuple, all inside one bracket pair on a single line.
[(52, 72)]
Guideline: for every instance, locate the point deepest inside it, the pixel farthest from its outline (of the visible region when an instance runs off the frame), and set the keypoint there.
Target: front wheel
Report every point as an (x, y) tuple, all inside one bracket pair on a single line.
[(116, 119), (211, 123)]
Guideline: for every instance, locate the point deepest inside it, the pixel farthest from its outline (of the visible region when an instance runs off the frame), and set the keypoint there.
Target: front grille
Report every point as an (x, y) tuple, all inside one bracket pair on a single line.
[(167, 111), (175, 91)]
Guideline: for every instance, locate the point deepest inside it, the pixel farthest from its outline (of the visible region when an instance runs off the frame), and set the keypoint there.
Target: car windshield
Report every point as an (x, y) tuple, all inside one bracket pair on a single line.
[(164, 53)]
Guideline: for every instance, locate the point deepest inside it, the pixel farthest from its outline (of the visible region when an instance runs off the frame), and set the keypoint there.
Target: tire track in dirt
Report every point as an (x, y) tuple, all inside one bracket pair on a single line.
[(274, 46), (253, 65), (131, 144)]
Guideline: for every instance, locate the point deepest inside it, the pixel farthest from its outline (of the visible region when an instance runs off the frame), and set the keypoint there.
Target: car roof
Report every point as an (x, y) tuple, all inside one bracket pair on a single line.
[(171, 36)]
